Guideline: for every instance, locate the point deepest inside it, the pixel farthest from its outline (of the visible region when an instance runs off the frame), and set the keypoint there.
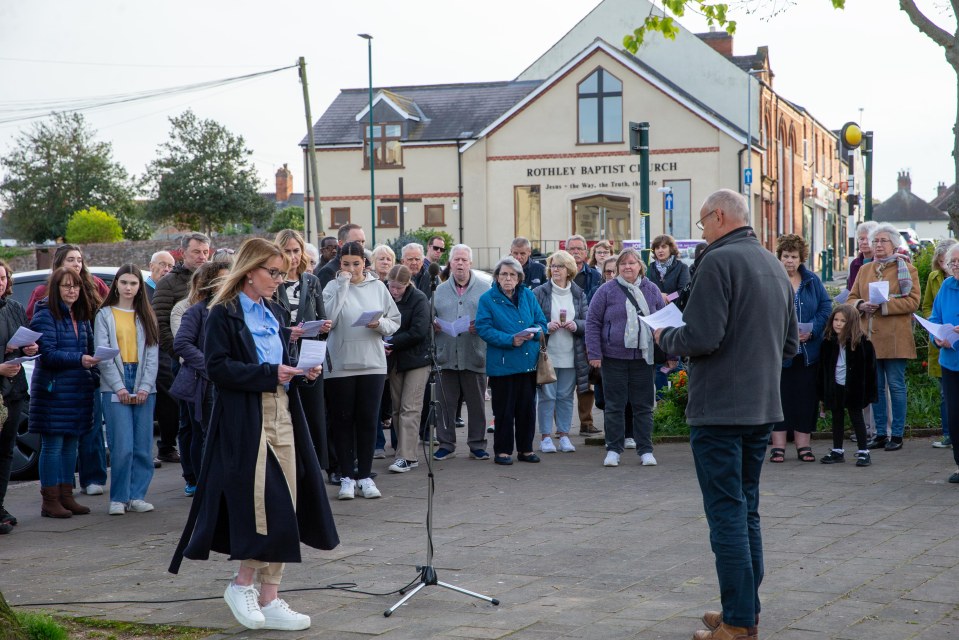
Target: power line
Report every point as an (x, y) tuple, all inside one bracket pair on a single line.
[(128, 65)]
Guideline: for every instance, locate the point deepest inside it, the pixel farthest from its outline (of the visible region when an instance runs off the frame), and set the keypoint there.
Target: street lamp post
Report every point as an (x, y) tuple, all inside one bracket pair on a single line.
[(749, 139), (369, 133)]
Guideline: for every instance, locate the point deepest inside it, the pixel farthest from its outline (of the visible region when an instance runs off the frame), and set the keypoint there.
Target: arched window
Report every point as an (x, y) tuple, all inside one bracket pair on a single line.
[(600, 102)]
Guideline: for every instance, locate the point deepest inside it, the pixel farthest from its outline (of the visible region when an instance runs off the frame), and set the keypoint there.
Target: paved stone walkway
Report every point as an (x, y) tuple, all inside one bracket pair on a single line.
[(570, 548)]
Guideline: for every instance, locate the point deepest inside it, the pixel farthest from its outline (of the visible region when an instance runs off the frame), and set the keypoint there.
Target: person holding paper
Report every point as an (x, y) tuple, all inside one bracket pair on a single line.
[(668, 272), (192, 384), (564, 305), (260, 493), (13, 384), (622, 346), (461, 359), (62, 389), (945, 310), (384, 259), (301, 295), (937, 275), (408, 365), (889, 327), (355, 378), (503, 315), (126, 322), (797, 385)]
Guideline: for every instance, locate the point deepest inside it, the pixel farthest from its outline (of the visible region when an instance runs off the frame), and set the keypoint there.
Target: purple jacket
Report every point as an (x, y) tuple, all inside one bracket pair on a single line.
[(606, 320), (854, 267)]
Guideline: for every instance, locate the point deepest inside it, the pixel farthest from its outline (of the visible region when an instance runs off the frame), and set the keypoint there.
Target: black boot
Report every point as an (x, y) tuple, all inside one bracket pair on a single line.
[(877, 442)]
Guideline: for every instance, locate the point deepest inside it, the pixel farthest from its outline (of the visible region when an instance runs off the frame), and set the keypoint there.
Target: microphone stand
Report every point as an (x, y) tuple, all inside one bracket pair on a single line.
[(428, 575)]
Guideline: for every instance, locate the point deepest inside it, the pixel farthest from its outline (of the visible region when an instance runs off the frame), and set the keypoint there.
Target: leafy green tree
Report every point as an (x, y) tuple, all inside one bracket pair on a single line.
[(56, 168), (133, 220), (93, 225), (203, 178), (287, 218)]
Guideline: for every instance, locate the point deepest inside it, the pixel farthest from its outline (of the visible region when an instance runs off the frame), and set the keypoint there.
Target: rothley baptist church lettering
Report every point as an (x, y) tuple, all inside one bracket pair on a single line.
[(595, 170)]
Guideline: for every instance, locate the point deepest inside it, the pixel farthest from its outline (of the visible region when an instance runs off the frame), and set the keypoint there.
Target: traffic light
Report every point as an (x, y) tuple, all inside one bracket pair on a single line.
[(851, 136)]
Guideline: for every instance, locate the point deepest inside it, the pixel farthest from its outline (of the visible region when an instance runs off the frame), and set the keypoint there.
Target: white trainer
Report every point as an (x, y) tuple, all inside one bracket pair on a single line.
[(243, 603), (368, 488), (93, 490), (630, 443), (347, 489), (565, 445), (139, 506), (546, 445), (649, 460), (118, 508), (278, 615), (612, 459), (400, 466)]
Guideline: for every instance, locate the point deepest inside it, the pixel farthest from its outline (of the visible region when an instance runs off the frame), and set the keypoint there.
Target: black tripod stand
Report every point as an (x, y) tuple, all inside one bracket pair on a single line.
[(427, 571)]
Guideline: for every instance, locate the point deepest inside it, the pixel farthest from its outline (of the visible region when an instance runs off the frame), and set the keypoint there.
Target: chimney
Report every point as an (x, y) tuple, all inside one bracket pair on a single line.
[(905, 182), (941, 189), (284, 184), (720, 41)]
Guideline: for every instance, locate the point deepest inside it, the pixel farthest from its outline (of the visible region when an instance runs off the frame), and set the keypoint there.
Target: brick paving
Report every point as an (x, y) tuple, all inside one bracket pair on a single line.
[(570, 548)]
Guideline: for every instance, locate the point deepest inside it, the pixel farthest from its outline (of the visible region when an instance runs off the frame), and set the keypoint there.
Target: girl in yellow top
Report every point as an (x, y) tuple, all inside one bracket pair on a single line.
[(128, 384)]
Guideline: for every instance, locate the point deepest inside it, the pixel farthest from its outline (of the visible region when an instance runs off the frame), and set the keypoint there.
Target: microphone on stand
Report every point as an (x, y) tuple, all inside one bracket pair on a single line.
[(434, 272)]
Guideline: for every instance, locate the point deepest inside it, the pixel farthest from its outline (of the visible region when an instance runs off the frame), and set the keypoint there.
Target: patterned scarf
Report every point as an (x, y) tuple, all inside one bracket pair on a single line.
[(663, 267), (638, 335), (902, 274)]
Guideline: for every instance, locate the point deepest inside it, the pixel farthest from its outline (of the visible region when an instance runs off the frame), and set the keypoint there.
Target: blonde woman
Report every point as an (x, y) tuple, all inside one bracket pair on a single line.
[(260, 492)]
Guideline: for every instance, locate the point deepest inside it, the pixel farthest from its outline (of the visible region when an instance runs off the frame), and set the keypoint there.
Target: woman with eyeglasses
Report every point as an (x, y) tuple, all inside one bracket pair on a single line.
[(564, 304), (937, 275), (357, 371), (260, 493), (128, 388), (598, 254), (889, 325), (63, 386), (945, 310), (510, 322)]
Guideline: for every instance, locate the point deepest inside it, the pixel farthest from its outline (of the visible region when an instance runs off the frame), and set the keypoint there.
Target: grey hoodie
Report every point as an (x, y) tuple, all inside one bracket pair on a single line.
[(357, 351)]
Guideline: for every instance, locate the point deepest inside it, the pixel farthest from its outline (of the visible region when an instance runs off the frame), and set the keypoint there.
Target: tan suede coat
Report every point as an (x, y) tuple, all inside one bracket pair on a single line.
[(890, 328)]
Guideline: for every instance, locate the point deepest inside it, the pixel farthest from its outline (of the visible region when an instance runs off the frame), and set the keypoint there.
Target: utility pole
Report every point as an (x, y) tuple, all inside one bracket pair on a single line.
[(867, 159), (311, 158)]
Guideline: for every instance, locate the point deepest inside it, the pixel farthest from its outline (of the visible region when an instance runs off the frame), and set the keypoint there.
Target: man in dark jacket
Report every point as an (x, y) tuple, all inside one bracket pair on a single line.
[(588, 280), (740, 326), (172, 288), (534, 273), (346, 233)]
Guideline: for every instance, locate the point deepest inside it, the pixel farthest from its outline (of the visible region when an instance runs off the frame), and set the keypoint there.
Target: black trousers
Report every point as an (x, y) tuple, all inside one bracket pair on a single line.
[(166, 411), (838, 425), (514, 409), (354, 406), (8, 437)]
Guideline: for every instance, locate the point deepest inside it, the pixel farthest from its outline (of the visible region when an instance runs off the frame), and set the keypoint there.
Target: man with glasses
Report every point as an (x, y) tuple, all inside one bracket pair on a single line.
[(588, 280), (328, 248), (740, 327), (435, 247), (412, 257), (534, 273), (161, 263)]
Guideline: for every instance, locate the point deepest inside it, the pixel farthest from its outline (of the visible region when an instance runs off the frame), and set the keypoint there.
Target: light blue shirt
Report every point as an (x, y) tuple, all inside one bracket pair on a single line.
[(265, 329)]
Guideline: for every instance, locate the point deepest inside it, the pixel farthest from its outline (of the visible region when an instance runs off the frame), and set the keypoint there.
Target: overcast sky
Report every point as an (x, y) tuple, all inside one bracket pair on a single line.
[(833, 63)]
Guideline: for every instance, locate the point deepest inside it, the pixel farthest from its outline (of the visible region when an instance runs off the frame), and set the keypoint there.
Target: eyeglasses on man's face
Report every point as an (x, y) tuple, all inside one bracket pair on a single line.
[(700, 224), (953, 265), (276, 274), (436, 247)]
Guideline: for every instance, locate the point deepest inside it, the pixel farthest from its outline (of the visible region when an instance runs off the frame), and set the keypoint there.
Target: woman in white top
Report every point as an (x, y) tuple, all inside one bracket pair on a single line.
[(357, 366)]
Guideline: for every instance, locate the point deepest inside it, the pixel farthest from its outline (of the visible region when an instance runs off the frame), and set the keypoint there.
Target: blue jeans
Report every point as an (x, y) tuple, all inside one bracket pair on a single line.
[(58, 459), (556, 402), (891, 371), (93, 455), (628, 382), (728, 463), (943, 411), (130, 434)]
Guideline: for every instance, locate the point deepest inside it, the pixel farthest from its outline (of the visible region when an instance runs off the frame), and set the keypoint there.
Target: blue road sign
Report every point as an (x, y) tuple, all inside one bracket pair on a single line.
[(669, 202), (747, 176)]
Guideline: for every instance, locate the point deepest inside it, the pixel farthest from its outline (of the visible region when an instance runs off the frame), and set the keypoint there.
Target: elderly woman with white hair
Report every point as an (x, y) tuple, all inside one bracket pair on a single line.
[(510, 322), (889, 325), (865, 250), (564, 305), (937, 275)]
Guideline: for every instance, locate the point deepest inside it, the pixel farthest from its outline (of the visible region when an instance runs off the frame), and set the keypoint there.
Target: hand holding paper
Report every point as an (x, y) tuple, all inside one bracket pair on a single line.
[(668, 316), (943, 332), (106, 353), (312, 354), (22, 338), (878, 292), (456, 327), (367, 317)]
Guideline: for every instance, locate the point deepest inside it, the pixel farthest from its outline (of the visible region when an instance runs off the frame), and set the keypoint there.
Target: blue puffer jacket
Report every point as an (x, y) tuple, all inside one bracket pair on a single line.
[(61, 390), (813, 305), (498, 319)]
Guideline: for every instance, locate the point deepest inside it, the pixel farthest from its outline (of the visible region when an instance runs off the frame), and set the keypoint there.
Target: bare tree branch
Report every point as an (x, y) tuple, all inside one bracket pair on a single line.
[(926, 26)]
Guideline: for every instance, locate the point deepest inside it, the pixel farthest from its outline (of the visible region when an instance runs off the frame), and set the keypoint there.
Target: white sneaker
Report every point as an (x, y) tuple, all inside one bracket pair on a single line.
[(117, 508), (379, 454), (546, 445), (565, 445), (139, 506), (491, 427), (400, 466), (347, 489), (278, 615), (243, 603), (368, 488), (93, 490), (630, 443), (648, 460), (612, 459)]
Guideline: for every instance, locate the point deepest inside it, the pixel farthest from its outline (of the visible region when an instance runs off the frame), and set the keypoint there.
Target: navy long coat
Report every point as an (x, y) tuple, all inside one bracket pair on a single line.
[(222, 516)]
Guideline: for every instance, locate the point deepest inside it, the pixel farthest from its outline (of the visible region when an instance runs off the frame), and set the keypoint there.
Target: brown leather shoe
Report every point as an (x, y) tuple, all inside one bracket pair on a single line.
[(71, 505), (51, 507), (589, 430), (727, 632), (712, 620)]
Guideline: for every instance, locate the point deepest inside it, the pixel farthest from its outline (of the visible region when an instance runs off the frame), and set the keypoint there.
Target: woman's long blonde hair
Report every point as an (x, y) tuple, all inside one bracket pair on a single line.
[(253, 254), (283, 237)]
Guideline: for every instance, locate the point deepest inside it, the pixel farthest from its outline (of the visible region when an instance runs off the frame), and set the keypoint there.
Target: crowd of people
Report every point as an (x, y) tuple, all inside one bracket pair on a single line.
[(209, 346)]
